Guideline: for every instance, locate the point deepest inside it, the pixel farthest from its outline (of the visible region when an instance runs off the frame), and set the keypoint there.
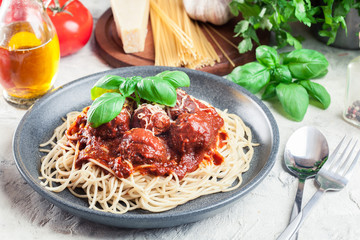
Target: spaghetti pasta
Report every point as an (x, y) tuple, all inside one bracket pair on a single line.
[(178, 40), (106, 192)]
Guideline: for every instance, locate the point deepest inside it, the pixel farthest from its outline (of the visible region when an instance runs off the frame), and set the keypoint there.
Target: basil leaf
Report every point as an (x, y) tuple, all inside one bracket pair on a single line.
[(281, 73), (128, 87), (252, 76), (105, 108), (321, 74), (175, 78), (270, 91), (156, 89), (267, 56), (294, 99), (306, 63), (108, 83), (283, 55), (317, 91)]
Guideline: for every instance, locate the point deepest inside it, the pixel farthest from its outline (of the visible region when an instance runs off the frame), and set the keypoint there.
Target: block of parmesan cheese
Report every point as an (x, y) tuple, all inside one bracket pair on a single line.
[(131, 20)]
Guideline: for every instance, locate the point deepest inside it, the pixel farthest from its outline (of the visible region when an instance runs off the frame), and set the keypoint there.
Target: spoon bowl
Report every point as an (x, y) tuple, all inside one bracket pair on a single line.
[(305, 152)]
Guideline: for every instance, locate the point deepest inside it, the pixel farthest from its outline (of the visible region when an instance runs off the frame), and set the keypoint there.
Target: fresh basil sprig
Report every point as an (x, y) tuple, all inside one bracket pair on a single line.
[(287, 77), (109, 93)]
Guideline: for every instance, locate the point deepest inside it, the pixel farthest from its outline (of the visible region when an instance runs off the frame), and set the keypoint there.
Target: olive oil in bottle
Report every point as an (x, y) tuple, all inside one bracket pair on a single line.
[(29, 51)]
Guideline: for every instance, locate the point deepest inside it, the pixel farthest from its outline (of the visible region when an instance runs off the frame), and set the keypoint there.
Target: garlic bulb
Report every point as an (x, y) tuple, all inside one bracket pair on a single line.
[(214, 11)]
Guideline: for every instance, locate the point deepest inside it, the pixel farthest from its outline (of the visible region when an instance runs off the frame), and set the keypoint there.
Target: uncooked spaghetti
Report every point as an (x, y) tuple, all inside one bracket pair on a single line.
[(178, 40)]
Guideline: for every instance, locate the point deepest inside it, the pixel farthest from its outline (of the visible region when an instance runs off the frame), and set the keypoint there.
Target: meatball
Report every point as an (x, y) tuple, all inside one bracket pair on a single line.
[(192, 132), (140, 146), (184, 104), (116, 127), (213, 116), (151, 117)]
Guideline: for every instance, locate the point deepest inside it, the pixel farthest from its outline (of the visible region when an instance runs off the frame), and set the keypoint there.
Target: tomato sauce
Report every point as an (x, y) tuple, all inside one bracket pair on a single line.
[(183, 138)]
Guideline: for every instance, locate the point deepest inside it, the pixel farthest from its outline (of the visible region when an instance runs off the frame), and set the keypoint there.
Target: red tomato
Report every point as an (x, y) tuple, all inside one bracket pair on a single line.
[(73, 23)]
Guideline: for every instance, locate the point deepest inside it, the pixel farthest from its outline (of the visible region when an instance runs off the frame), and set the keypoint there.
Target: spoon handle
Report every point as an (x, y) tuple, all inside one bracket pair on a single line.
[(298, 199), (297, 204)]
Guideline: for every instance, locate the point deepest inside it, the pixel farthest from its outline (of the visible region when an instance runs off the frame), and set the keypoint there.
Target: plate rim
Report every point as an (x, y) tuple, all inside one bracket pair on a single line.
[(83, 211)]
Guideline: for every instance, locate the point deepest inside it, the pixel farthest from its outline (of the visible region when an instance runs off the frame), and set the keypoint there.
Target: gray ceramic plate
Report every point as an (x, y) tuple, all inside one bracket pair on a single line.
[(39, 122)]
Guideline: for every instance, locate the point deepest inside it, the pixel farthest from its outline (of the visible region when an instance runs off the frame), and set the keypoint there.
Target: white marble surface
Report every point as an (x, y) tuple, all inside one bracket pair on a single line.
[(261, 214)]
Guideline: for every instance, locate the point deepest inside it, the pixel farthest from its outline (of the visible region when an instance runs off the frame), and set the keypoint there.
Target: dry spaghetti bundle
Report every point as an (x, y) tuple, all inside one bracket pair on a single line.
[(178, 40)]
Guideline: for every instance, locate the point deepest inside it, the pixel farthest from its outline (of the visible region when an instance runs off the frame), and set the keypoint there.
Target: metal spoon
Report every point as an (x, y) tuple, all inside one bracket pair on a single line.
[(305, 153)]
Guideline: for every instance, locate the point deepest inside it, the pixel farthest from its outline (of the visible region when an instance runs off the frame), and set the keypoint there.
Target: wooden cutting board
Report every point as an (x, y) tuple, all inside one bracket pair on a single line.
[(111, 50)]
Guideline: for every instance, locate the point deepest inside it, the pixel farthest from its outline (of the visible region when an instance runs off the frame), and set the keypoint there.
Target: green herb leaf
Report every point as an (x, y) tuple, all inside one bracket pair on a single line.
[(108, 83), (105, 108), (270, 91), (252, 76), (251, 33), (128, 87), (267, 56), (175, 78), (282, 74), (293, 41), (283, 55), (321, 74), (156, 89), (317, 91), (245, 45), (234, 9), (294, 99), (306, 63), (241, 27), (247, 9)]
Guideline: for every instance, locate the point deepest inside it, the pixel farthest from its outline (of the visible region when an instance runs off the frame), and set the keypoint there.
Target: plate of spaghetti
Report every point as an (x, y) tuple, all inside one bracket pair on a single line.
[(140, 158)]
